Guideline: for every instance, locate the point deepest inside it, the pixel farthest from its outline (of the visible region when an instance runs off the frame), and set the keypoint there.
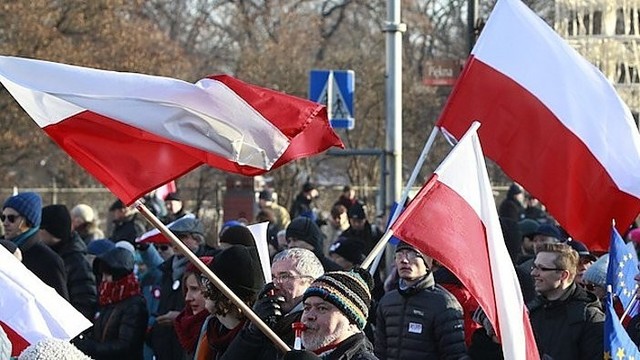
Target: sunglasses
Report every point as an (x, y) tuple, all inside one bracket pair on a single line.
[(163, 247), (11, 218)]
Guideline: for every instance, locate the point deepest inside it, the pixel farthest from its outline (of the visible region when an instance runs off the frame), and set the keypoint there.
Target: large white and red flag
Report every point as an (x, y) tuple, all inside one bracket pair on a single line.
[(453, 219), (552, 121), (135, 132), (31, 310)]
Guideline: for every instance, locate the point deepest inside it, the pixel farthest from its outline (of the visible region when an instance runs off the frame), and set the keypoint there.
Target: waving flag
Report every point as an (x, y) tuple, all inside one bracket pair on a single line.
[(31, 310), (617, 343), (135, 132), (552, 122), (454, 220), (623, 267)]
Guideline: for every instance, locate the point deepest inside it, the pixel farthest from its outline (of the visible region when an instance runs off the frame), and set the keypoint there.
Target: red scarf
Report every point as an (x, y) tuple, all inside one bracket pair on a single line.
[(188, 327), (218, 338), (116, 291)]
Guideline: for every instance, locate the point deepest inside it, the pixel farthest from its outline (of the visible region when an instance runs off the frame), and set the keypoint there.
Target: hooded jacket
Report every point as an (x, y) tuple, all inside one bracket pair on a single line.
[(571, 327)]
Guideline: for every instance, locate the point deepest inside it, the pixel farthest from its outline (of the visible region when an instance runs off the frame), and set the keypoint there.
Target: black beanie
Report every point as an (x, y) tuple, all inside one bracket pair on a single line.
[(237, 235), (57, 221), (239, 268), (349, 248), (305, 229)]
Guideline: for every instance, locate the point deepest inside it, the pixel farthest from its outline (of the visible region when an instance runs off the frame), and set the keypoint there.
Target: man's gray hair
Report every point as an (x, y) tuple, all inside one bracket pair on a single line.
[(305, 261)]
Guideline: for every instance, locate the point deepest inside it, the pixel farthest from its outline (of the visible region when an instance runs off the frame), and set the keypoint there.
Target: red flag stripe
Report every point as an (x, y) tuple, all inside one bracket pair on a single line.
[(536, 149)]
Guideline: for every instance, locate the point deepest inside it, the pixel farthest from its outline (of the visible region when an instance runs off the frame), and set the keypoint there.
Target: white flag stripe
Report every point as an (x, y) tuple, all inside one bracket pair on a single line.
[(464, 171), (207, 107), (577, 102), (33, 309)]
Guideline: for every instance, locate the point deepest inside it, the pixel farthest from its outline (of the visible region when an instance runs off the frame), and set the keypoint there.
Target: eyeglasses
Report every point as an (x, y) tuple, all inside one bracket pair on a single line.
[(542, 268), (409, 255), (12, 218), (285, 277)]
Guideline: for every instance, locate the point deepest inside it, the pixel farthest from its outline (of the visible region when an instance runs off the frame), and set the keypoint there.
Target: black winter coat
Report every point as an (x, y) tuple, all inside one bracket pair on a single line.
[(45, 264), (81, 283), (421, 322), (118, 332), (251, 343), (128, 229), (355, 347), (571, 327)]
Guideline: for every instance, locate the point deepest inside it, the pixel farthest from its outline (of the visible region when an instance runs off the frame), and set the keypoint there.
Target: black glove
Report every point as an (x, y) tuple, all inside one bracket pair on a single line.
[(300, 355), (268, 305)]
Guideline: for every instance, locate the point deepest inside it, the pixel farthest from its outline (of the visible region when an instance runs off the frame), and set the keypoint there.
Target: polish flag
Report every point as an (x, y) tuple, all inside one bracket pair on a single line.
[(31, 310), (135, 132), (453, 219), (553, 123)]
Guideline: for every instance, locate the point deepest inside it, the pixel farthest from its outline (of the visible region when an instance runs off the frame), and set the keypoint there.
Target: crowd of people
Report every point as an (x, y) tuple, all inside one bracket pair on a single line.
[(147, 301)]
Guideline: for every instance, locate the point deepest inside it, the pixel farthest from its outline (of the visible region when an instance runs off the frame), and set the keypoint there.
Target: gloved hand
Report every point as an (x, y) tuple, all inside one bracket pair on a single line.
[(268, 305), (300, 355)]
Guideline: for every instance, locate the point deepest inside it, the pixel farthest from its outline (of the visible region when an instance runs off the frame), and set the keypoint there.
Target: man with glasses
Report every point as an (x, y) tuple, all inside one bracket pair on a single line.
[(567, 321), (21, 217), (279, 304), (420, 319)]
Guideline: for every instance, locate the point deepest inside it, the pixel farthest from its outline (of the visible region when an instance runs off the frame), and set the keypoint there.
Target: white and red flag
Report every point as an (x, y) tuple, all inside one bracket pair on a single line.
[(135, 132), (552, 121), (31, 310), (453, 219)]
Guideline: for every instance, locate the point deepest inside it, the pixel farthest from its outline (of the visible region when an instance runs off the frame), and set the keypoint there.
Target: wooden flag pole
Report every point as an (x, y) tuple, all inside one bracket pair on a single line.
[(212, 277)]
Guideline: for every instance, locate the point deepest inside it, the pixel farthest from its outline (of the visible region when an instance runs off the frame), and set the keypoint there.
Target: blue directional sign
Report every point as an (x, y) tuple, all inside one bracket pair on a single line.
[(339, 86)]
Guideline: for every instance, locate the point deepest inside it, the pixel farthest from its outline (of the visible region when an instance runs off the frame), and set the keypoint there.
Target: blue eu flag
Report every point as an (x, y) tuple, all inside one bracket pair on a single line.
[(623, 266), (617, 343)]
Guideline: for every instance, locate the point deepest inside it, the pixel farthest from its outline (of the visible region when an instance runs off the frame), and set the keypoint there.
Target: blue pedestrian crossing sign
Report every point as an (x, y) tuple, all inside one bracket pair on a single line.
[(338, 86)]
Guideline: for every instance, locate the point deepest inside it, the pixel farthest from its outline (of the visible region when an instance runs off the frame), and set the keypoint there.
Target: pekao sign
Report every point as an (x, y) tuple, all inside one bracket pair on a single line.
[(442, 72)]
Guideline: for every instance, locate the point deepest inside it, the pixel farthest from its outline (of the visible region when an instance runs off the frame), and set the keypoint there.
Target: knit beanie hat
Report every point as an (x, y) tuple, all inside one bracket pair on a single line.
[(239, 268), (100, 246), (357, 211), (406, 246), (237, 235), (348, 248), (305, 229), (118, 262), (528, 227), (57, 221), (27, 204), (597, 272), (349, 291), (84, 212), (48, 349)]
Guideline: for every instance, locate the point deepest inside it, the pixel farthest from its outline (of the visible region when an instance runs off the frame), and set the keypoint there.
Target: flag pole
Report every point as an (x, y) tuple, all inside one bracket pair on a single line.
[(211, 276), (376, 253), (629, 307)]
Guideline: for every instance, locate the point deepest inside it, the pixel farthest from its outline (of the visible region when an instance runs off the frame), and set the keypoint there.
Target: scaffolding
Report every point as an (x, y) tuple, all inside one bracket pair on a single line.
[(607, 33)]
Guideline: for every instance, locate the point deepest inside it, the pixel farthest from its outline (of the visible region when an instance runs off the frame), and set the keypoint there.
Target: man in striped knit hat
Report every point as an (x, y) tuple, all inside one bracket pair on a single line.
[(336, 307)]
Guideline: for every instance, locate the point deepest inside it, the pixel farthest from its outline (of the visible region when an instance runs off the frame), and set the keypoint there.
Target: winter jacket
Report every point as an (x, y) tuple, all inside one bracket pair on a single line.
[(45, 264), (81, 283), (355, 347), (118, 332), (251, 343), (420, 322), (128, 229), (571, 327)]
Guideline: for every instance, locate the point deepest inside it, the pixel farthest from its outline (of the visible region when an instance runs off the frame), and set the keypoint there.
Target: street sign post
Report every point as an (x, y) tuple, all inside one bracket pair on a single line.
[(339, 87)]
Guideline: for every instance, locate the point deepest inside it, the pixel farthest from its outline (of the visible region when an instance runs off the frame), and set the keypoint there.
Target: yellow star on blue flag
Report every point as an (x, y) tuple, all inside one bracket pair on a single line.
[(617, 343), (623, 266)]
